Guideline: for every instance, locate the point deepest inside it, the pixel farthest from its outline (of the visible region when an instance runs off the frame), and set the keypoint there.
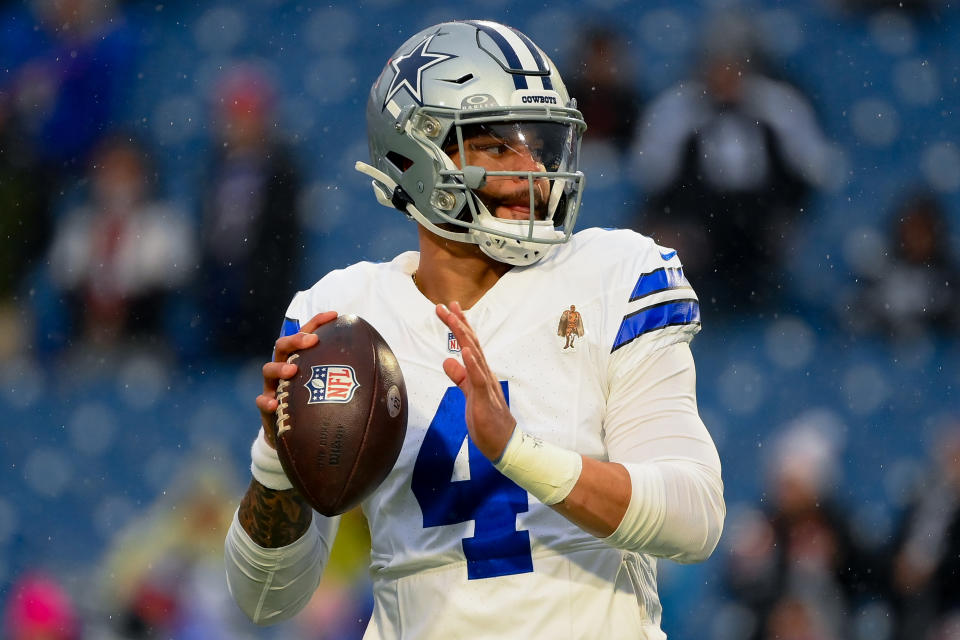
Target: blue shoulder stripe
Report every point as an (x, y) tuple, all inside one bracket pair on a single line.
[(290, 327), (658, 280), (658, 316)]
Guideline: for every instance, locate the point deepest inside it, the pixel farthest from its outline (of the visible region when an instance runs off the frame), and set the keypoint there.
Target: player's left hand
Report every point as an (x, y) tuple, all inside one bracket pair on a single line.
[(489, 421)]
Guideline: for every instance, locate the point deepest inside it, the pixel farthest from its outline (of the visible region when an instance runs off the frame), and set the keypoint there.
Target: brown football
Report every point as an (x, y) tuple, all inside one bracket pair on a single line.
[(343, 416)]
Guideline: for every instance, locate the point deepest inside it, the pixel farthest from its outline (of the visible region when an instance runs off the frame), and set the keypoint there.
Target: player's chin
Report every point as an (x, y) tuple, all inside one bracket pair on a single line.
[(507, 211)]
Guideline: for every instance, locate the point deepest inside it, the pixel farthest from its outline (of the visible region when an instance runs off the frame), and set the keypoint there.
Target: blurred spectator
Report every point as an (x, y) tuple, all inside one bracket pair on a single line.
[(251, 250), (603, 84), (795, 570), (118, 256), (163, 575), (72, 62), (796, 619), (25, 224), (343, 602), (39, 608), (727, 160), (916, 6), (925, 574), (914, 286)]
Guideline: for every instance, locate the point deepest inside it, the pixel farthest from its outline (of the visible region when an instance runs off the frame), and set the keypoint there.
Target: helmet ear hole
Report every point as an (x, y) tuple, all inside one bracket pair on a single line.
[(401, 162)]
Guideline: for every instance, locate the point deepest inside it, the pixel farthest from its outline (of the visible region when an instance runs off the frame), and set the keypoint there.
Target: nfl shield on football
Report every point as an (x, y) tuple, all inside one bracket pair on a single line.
[(343, 417)]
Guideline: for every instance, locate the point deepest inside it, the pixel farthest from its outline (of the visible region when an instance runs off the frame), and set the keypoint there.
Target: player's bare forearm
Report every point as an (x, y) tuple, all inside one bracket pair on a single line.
[(273, 518), (600, 498)]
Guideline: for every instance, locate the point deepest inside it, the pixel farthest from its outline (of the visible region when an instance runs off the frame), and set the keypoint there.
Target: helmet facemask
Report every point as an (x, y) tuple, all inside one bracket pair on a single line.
[(508, 178)]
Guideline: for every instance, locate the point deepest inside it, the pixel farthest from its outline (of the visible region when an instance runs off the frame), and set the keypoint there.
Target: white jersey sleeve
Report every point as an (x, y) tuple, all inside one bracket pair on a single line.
[(676, 508), (272, 585), (652, 425)]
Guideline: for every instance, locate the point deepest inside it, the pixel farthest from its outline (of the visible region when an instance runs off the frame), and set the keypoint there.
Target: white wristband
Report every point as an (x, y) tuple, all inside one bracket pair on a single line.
[(265, 465), (547, 471)]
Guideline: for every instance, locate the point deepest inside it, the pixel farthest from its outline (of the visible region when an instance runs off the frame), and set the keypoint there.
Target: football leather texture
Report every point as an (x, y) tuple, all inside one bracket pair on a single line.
[(342, 418)]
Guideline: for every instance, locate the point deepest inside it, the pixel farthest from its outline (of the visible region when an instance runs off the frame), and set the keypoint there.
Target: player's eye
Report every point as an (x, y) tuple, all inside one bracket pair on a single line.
[(494, 149)]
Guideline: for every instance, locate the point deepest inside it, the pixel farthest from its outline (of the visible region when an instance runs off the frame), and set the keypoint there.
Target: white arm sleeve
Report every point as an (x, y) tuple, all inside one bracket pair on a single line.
[(272, 585), (653, 428)]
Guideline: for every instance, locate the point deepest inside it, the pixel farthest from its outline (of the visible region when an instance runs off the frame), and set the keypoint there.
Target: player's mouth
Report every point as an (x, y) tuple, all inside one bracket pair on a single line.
[(513, 212), (516, 205)]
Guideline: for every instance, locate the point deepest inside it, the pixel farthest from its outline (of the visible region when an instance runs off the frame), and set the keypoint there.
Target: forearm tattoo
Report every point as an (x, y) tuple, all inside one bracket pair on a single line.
[(273, 518)]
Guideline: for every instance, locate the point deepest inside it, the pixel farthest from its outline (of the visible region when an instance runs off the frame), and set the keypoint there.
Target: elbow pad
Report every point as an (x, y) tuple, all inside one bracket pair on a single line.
[(676, 511)]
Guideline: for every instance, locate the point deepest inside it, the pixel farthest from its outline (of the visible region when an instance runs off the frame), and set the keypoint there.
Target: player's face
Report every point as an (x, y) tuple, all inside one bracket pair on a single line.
[(511, 147)]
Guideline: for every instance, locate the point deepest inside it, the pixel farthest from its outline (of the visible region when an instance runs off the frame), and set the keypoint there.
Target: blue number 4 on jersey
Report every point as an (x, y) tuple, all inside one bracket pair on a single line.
[(488, 497)]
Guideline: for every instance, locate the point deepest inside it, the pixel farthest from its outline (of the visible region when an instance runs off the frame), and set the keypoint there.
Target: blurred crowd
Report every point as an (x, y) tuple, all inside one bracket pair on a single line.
[(97, 260), (726, 166), (802, 566)]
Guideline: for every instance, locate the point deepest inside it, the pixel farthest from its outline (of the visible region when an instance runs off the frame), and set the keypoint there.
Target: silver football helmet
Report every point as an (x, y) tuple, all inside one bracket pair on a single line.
[(469, 119)]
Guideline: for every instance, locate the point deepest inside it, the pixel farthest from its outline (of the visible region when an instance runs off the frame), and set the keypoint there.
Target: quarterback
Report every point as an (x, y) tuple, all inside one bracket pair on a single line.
[(537, 484)]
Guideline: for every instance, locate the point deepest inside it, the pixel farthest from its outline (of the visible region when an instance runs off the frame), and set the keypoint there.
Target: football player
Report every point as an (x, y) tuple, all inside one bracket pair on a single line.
[(537, 484)]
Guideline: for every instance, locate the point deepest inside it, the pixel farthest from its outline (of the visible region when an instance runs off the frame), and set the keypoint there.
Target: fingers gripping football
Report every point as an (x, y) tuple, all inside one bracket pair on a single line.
[(279, 369), (488, 417)]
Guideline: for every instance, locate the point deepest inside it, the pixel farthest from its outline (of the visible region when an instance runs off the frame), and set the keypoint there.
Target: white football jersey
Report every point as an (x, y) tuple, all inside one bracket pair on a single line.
[(456, 546)]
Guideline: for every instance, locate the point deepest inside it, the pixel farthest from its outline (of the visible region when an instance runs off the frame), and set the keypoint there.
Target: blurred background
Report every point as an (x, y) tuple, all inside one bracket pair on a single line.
[(171, 173)]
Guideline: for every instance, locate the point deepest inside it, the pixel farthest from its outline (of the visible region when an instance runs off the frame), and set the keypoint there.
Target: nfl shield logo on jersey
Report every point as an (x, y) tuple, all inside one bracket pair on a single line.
[(331, 383), (453, 345)]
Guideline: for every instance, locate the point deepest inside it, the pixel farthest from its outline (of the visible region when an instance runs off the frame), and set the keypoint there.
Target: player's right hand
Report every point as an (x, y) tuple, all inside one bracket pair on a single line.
[(489, 421), (279, 369)]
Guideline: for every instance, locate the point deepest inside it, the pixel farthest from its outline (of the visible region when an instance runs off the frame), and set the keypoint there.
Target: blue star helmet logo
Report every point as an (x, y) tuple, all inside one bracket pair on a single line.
[(409, 70)]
